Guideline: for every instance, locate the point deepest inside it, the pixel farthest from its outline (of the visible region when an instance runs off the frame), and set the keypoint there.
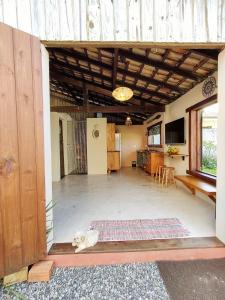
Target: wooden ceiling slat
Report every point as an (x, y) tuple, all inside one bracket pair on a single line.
[(81, 70), (80, 56), (159, 65), (115, 64), (146, 91), (100, 59), (207, 53), (96, 87), (155, 79), (106, 78)]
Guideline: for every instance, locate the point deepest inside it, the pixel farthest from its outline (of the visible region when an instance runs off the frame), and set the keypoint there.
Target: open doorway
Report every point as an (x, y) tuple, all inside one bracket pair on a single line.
[(128, 139)]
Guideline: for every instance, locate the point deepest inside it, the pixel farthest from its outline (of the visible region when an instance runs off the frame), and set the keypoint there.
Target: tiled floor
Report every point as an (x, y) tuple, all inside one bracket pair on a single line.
[(129, 194)]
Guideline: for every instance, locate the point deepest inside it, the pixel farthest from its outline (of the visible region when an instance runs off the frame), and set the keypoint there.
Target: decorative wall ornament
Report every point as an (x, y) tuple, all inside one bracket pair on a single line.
[(209, 86), (95, 132)]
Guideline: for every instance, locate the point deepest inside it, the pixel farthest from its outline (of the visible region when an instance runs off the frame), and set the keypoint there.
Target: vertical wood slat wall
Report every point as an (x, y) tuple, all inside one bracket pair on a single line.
[(192, 21), (22, 196)]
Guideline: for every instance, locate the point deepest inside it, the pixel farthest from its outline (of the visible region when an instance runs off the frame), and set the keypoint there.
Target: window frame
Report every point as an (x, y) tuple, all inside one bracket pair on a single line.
[(148, 129), (195, 139)]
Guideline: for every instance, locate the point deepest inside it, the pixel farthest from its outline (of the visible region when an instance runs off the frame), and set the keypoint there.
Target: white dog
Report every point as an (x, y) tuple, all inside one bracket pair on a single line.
[(84, 240)]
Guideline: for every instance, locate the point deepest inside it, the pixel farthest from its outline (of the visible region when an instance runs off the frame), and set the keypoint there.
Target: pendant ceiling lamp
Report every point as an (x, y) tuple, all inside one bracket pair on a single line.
[(128, 121), (122, 93)]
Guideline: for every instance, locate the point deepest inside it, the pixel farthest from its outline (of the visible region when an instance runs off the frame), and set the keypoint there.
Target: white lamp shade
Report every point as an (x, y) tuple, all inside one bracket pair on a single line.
[(122, 93)]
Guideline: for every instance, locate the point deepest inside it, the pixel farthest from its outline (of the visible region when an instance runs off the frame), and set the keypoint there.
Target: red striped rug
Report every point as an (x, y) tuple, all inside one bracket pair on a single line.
[(133, 230)]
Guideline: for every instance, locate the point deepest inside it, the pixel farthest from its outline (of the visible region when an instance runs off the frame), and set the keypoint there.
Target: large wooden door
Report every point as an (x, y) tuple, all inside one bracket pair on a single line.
[(22, 195)]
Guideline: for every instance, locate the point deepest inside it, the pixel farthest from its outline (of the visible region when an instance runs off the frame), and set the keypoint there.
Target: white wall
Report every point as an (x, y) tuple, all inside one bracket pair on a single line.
[(97, 147), (220, 198), (132, 139), (47, 140), (174, 111), (55, 145)]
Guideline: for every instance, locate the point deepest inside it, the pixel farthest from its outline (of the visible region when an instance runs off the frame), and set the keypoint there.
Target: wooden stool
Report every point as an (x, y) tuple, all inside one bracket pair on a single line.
[(168, 176), (160, 172), (156, 175)]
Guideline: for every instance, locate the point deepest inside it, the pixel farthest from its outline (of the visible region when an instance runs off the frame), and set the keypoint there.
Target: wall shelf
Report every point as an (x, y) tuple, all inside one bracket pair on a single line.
[(177, 155)]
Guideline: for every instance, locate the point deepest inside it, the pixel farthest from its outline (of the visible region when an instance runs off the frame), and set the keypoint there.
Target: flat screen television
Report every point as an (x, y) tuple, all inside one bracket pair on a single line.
[(174, 132)]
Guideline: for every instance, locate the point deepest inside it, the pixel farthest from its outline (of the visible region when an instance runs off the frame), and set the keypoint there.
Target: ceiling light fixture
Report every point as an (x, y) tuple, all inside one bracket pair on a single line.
[(128, 121), (122, 93)]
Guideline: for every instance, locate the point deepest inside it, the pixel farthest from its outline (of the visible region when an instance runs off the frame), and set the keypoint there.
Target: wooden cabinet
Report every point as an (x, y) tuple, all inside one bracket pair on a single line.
[(154, 159), (111, 131), (113, 158)]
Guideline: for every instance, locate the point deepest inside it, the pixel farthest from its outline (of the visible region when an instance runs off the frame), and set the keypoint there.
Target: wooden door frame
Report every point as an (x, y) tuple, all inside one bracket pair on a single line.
[(122, 44), (118, 44), (47, 141), (61, 147)]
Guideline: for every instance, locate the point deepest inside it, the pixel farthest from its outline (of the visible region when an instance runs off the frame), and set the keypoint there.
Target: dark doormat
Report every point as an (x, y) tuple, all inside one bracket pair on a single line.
[(194, 280)]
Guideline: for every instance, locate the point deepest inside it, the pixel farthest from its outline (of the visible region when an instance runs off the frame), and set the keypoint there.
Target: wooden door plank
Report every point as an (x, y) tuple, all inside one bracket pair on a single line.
[(10, 230), (27, 144), (39, 135), (22, 193)]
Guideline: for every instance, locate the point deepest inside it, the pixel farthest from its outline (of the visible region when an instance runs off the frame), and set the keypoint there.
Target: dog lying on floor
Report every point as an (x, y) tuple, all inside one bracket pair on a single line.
[(83, 240)]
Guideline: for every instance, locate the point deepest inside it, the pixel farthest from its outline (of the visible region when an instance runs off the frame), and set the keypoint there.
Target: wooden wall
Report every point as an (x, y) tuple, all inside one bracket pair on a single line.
[(22, 198), (118, 20)]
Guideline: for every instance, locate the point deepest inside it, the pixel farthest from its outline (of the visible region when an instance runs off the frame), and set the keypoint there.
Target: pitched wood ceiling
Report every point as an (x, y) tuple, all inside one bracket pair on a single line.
[(157, 76)]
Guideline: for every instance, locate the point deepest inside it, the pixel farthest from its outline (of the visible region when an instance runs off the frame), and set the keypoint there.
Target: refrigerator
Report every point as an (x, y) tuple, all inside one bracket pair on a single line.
[(118, 144)]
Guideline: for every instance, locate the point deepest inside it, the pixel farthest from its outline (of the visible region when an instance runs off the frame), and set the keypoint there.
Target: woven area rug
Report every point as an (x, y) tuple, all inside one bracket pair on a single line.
[(133, 230)]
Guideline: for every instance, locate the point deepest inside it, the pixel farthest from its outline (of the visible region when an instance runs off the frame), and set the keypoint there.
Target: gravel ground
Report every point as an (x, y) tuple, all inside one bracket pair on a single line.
[(131, 281)]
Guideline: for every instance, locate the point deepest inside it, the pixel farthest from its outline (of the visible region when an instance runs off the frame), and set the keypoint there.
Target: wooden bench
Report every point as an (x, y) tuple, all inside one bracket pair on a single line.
[(195, 184)]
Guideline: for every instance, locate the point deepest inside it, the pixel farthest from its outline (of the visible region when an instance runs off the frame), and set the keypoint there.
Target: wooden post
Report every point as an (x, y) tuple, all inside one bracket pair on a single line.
[(85, 95), (115, 63)]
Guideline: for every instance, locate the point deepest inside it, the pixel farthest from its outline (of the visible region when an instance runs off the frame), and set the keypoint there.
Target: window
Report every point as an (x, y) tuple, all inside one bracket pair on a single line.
[(154, 135), (203, 139), (208, 147)]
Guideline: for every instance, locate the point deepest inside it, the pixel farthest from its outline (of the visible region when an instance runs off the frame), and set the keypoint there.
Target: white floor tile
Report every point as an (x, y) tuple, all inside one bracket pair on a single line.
[(128, 194)]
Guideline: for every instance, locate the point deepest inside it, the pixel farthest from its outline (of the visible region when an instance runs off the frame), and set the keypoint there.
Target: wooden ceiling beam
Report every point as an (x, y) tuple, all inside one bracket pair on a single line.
[(207, 53), (151, 81), (63, 86), (105, 101), (103, 109), (78, 83), (95, 99), (160, 65), (80, 70), (65, 91), (100, 59), (146, 91), (77, 55), (115, 63), (106, 78)]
